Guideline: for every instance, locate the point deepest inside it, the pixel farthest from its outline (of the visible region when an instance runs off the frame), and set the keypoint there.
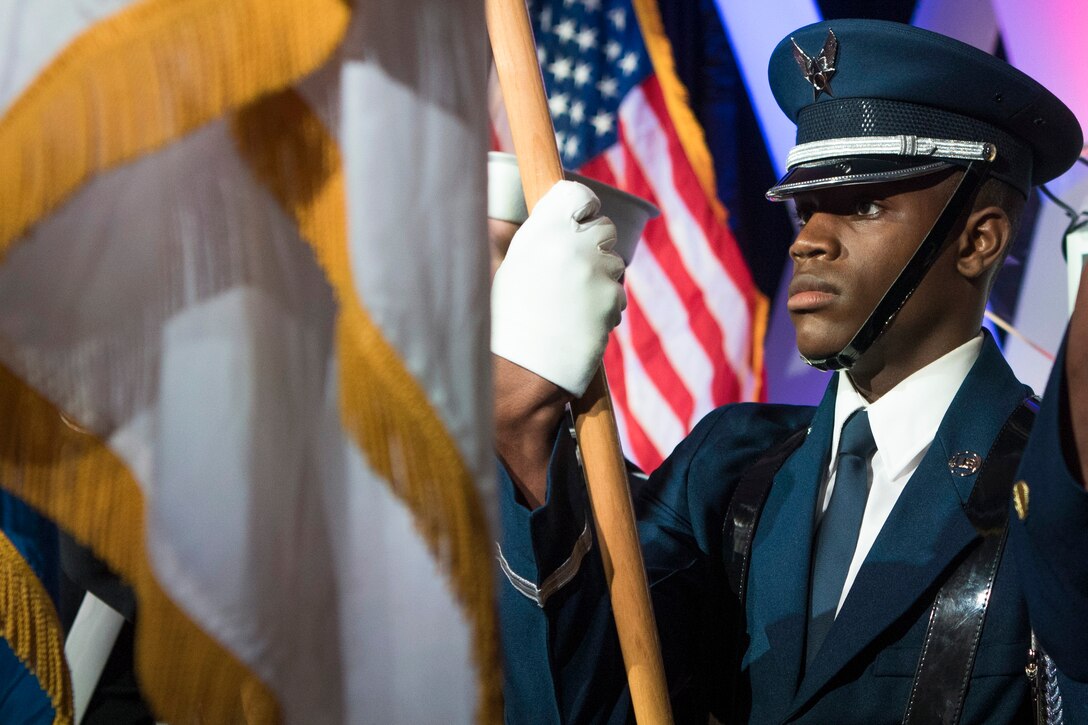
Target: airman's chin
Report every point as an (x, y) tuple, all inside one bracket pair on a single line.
[(818, 344), (824, 360)]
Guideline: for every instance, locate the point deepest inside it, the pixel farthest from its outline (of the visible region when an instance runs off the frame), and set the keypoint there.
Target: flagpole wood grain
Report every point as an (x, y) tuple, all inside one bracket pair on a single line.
[(595, 424), (514, 48)]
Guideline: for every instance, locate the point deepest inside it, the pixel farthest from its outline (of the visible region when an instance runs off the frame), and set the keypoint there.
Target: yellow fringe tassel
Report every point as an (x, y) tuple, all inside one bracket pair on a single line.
[(760, 315), (381, 403), (73, 478), (127, 86), (28, 621), (143, 77)]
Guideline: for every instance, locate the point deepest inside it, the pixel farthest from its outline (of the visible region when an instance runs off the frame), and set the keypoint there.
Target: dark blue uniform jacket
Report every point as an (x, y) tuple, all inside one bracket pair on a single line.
[(563, 662)]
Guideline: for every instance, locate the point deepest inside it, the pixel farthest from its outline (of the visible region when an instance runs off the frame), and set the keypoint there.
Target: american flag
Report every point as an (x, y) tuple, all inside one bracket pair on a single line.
[(691, 338)]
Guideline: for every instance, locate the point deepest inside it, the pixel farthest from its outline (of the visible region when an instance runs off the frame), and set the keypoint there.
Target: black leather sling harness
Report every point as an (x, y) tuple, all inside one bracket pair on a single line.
[(955, 623)]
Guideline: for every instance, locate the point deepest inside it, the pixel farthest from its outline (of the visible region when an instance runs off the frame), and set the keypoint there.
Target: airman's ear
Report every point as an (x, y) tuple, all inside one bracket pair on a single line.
[(986, 236)]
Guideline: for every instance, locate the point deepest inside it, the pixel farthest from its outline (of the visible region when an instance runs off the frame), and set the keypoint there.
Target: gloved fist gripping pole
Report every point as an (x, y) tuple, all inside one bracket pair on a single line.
[(534, 141), (557, 294)]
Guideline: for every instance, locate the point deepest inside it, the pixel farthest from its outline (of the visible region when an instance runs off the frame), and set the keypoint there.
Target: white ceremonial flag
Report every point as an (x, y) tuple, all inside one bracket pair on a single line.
[(243, 324)]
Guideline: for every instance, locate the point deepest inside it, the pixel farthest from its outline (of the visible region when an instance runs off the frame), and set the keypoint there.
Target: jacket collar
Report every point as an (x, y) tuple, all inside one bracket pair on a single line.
[(926, 529), (902, 428), (777, 599)]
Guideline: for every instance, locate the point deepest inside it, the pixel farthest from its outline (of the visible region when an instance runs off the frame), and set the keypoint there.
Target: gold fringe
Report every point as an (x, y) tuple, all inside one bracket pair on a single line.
[(143, 77), (74, 479), (381, 404), (760, 315), (127, 86), (676, 100), (28, 621)]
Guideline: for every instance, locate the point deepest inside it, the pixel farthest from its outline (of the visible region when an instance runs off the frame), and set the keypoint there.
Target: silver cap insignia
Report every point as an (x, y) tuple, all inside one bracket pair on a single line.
[(819, 70)]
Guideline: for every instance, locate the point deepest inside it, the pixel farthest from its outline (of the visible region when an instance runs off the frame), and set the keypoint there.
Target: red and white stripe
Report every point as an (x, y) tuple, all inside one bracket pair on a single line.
[(686, 342)]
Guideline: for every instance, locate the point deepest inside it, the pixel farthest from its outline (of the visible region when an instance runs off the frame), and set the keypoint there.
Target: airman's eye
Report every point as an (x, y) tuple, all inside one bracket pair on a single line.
[(865, 207), (802, 215)]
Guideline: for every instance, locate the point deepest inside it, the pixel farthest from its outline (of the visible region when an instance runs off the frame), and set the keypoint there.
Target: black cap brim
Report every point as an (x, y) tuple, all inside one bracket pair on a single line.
[(852, 171)]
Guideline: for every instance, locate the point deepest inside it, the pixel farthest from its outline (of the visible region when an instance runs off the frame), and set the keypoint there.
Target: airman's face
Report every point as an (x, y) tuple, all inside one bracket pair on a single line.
[(853, 243)]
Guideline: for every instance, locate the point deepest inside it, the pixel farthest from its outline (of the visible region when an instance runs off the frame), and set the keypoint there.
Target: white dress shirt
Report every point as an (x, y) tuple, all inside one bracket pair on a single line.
[(904, 423)]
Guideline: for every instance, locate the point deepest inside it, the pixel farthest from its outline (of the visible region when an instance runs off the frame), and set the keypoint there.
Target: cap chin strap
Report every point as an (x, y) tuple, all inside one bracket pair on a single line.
[(910, 277)]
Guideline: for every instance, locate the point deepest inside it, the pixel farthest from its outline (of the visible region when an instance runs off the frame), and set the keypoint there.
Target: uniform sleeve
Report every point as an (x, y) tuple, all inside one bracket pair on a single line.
[(563, 661), (532, 575), (1048, 534)]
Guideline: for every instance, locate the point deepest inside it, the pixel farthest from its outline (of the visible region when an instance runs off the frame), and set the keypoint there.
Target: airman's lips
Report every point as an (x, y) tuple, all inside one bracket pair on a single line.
[(808, 293)]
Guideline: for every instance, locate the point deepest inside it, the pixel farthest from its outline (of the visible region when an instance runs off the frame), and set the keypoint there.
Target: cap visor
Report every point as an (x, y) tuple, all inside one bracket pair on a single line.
[(852, 171)]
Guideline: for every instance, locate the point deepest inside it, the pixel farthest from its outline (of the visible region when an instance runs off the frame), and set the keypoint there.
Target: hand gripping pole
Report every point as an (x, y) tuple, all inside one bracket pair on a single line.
[(606, 478)]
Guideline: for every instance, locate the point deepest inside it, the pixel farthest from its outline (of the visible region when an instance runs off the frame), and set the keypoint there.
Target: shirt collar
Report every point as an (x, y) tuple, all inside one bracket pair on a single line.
[(901, 427)]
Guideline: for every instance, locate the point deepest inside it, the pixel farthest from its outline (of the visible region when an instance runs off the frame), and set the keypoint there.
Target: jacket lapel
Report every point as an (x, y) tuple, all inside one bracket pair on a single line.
[(777, 600), (927, 528)]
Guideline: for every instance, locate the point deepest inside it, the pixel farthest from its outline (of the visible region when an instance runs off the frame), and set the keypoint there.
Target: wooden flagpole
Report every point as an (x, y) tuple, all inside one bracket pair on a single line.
[(606, 477)]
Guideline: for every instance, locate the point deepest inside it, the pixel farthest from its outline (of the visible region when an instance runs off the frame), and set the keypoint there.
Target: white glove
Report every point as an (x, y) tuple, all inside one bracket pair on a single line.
[(556, 297)]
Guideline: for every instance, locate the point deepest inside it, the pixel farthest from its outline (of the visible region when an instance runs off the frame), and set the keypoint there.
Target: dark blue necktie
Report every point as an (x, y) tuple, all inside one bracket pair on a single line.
[(837, 535)]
